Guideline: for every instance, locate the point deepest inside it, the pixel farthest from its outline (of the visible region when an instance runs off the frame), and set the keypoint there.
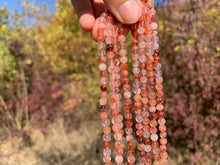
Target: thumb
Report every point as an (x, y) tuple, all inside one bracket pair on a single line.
[(126, 11)]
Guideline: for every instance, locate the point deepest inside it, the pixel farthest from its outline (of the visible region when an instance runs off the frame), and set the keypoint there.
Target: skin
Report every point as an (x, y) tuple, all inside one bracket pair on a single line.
[(126, 11)]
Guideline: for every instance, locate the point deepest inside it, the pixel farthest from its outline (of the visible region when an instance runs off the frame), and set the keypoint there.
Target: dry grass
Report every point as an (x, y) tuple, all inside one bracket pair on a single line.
[(77, 147), (81, 146)]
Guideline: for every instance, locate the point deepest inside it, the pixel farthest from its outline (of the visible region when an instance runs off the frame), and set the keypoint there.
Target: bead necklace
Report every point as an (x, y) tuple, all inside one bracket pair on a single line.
[(147, 100)]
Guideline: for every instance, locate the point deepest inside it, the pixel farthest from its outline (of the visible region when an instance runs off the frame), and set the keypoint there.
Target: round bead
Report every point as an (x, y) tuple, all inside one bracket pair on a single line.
[(119, 158), (154, 137)]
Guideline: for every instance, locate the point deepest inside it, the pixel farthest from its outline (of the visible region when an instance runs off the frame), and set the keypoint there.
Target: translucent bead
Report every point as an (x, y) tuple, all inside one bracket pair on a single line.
[(136, 70), (156, 151), (136, 84), (147, 134), (159, 79), (154, 25), (152, 109), (127, 94), (107, 152), (157, 38), (143, 72), (164, 154), (151, 52), (136, 63), (117, 62), (101, 45), (153, 11), (154, 137), (119, 117), (124, 59), (118, 136), (123, 52), (139, 118), (142, 160), (143, 79), (149, 45), (109, 40), (121, 38), (145, 114), (147, 148), (141, 30), (105, 122), (137, 91), (122, 46), (134, 48), (142, 44), (153, 123), (111, 69), (156, 46), (131, 159), (104, 80), (128, 130), (158, 66), (115, 121), (163, 134), (106, 159), (158, 73), (164, 161), (103, 101), (162, 121), (142, 58), (119, 159), (129, 137), (106, 137), (160, 107), (102, 52)]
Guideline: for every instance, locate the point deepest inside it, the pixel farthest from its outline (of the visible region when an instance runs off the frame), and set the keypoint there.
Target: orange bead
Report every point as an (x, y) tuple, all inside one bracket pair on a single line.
[(159, 86), (163, 147), (124, 73), (162, 128), (148, 30), (140, 133), (150, 73), (147, 141), (130, 145), (140, 147), (103, 94), (121, 31), (107, 130), (150, 67), (152, 102), (153, 130), (103, 115), (106, 144), (124, 66), (155, 144), (163, 141), (137, 97), (119, 151), (138, 105), (139, 126), (136, 77)]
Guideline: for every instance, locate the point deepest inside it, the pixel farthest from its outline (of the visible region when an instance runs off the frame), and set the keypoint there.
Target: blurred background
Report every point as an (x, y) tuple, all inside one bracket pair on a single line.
[(49, 83)]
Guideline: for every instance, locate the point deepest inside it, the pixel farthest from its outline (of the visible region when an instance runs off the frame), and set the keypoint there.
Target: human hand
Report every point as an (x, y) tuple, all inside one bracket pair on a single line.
[(126, 11)]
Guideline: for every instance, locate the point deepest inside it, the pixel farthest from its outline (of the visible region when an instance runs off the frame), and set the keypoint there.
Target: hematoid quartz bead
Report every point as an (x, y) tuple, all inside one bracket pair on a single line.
[(145, 102)]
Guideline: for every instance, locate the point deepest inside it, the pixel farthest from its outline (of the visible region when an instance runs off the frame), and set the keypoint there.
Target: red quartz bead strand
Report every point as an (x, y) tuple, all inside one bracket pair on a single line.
[(103, 95)]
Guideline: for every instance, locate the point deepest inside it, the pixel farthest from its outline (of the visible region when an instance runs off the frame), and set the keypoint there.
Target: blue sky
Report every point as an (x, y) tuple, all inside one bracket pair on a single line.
[(16, 4), (11, 4)]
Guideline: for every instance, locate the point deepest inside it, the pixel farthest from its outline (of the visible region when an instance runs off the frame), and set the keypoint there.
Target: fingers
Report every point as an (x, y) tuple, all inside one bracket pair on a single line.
[(126, 11), (85, 14)]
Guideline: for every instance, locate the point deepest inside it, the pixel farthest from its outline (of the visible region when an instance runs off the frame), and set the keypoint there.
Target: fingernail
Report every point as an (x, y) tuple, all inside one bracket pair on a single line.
[(130, 11)]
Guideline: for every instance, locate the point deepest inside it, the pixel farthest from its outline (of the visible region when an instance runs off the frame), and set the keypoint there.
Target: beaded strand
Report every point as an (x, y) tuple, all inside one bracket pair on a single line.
[(147, 88), (103, 95)]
